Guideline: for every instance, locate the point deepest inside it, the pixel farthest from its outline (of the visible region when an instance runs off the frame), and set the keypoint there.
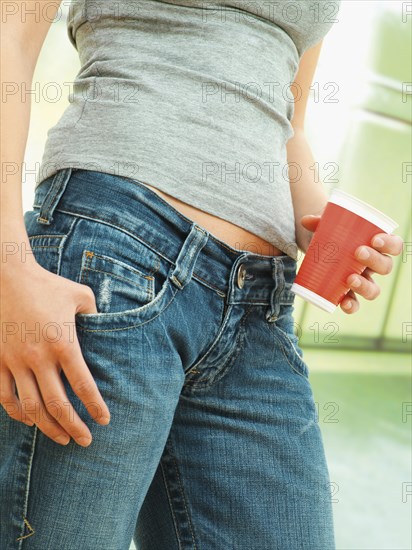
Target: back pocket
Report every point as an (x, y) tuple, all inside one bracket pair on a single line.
[(117, 286)]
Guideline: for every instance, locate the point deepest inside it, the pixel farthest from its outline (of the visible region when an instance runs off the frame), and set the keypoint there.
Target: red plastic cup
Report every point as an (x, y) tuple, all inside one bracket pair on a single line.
[(346, 223)]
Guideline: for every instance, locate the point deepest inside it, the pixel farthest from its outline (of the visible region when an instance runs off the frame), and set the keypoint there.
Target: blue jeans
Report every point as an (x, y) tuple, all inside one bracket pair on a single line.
[(213, 442)]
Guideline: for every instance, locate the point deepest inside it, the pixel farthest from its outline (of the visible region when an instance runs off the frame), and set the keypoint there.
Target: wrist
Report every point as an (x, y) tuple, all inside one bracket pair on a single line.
[(16, 256)]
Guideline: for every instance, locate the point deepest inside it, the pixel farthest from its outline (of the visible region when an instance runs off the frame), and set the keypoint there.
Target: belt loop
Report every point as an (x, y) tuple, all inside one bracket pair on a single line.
[(188, 254), (279, 284), (52, 197)]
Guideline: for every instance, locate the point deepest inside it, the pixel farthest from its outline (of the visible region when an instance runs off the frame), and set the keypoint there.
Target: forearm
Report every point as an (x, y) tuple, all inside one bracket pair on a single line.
[(308, 193), (17, 70)]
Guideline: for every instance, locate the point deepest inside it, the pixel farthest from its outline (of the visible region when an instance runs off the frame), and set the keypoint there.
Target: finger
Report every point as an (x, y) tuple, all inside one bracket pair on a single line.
[(33, 408), (376, 261), (388, 244), (83, 384), (367, 272), (349, 303), (310, 222), (8, 397), (364, 285), (59, 406)]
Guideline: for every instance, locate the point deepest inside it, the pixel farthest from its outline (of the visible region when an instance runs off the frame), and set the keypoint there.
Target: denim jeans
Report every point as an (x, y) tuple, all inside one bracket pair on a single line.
[(213, 442)]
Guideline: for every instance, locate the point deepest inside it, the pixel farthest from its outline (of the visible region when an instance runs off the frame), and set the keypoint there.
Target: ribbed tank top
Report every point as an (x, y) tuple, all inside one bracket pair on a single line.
[(193, 98)]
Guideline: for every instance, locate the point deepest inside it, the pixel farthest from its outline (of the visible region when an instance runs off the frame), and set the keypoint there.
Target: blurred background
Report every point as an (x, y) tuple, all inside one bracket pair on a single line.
[(359, 126)]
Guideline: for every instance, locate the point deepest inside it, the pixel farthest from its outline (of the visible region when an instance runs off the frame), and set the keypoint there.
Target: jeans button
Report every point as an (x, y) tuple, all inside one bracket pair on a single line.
[(241, 274), (271, 317)]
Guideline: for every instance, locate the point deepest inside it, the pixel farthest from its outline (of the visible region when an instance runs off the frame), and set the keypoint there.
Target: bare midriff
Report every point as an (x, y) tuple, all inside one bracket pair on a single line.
[(230, 233)]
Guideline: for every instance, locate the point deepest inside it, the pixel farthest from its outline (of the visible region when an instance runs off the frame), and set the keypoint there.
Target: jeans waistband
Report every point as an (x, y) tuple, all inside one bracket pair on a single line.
[(242, 276)]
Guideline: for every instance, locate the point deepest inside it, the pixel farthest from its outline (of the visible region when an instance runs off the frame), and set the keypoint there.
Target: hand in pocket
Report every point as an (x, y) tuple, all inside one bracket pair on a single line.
[(31, 360)]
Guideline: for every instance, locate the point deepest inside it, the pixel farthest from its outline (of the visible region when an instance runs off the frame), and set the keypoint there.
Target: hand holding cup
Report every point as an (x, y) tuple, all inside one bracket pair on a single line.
[(355, 221)]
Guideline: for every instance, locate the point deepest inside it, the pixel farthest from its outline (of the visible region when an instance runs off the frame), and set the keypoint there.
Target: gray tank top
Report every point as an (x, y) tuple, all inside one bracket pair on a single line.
[(192, 97)]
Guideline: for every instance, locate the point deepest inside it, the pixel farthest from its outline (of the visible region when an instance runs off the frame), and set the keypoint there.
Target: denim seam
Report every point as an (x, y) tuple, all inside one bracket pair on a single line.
[(50, 199), (303, 366), (63, 242), (215, 341), (304, 372), (36, 236), (78, 215), (114, 261), (184, 501), (188, 263), (182, 216), (118, 277), (84, 270), (130, 326), (209, 380), (46, 246), (172, 459), (26, 496), (120, 227), (169, 498)]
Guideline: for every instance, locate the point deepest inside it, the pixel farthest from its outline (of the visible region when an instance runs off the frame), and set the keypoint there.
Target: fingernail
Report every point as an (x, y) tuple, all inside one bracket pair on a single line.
[(84, 441), (378, 242), (348, 305), (356, 282), (363, 254), (62, 439), (104, 420)]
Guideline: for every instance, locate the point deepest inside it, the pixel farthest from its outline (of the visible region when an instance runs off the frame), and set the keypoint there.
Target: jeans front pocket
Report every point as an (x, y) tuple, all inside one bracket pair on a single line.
[(117, 285), (129, 278)]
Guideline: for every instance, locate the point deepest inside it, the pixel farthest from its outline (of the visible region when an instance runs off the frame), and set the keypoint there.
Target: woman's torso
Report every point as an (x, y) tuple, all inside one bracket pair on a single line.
[(192, 98)]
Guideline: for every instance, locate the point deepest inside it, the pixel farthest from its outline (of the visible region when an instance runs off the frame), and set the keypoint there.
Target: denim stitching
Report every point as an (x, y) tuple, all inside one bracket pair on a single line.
[(26, 497), (57, 188), (85, 329), (214, 342), (46, 246), (118, 262), (63, 242), (121, 227), (294, 349), (35, 236), (209, 380), (169, 498), (192, 252), (184, 500), (115, 276), (304, 372), (182, 216), (172, 459)]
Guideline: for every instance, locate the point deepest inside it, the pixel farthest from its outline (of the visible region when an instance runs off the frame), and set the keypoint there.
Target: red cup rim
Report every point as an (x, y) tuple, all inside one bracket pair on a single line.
[(363, 209), (313, 298)]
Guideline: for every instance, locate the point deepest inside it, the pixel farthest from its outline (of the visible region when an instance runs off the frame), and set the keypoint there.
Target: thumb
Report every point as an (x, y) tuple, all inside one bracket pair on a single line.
[(86, 300)]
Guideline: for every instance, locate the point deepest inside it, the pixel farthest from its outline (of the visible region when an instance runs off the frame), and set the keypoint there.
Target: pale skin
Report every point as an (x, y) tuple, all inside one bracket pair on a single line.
[(34, 367)]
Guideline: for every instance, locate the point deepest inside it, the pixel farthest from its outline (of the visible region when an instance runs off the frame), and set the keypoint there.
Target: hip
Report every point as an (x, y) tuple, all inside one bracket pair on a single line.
[(230, 233)]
